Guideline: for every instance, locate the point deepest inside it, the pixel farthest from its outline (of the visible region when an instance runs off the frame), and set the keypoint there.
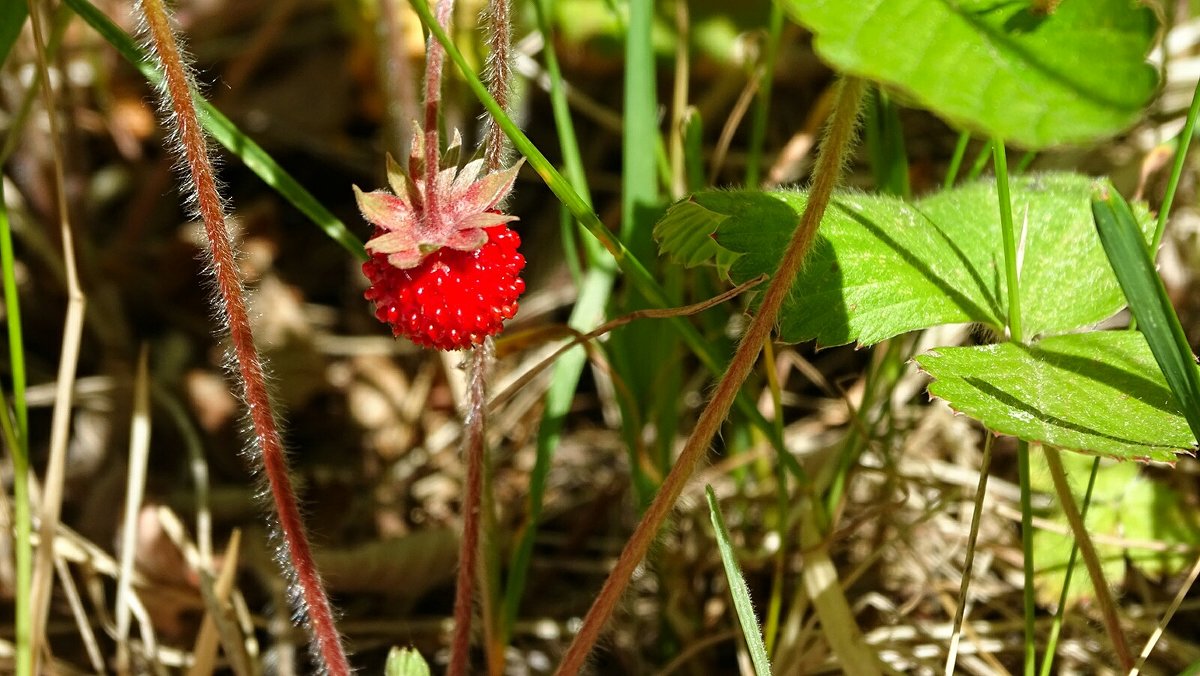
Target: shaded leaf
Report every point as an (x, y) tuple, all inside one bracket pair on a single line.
[(1125, 506), (1098, 392)]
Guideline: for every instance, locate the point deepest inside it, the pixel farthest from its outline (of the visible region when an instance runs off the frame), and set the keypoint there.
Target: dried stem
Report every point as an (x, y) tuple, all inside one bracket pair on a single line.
[(267, 448), (828, 171), (31, 620), (1108, 609), (475, 420)]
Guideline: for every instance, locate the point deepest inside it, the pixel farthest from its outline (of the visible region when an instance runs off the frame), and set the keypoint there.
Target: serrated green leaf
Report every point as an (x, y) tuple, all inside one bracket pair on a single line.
[(1098, 392), (1074, 74), (881, 266), (685, 234), (1064, 282)]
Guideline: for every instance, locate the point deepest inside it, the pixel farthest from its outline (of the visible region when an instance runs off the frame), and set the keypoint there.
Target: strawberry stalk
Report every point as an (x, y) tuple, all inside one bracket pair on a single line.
[(266, 449)]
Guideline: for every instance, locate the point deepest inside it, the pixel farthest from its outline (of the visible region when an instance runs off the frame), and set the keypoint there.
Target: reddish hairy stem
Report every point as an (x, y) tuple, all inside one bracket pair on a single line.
[(499, 75), (828, 171), (194, 146), (475, 421), (434, 56)]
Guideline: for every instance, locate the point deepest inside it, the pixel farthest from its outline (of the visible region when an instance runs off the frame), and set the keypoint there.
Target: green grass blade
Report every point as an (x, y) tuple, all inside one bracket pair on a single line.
[(1148, 301), (594, 291), (762, 100), (885, 145), (960, 151), (1184, 141), (738, 589), (227, 134), (12, 18), (16, 435)]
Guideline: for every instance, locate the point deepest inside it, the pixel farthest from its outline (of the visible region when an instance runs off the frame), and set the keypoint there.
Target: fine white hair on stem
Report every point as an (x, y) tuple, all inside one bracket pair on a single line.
[(498, 75), (265, 449)]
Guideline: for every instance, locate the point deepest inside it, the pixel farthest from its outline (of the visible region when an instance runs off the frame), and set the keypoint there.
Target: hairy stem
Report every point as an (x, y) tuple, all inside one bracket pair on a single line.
[(267, 448), (496, 148), (475, 420), (434, 57), (828, 171)]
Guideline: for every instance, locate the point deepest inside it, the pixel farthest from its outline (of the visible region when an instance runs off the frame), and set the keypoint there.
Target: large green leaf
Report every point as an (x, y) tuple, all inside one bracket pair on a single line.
[(1065, 281), (1099, 392), (1000, 67), (881, 266)]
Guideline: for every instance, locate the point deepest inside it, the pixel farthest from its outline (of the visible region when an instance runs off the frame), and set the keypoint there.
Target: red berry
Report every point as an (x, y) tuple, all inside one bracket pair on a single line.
[(452, 299)]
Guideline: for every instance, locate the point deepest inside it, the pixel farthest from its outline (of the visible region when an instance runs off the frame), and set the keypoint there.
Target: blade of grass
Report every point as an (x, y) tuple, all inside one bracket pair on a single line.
[(960, 151), (12, 19), (16, 433), (969, 560), (762, 102), (1180, 596), (1013, 296), (135, 486), (885, 145), (1148, 300), (981, 161), (593, 294), (643, 354), (227, 134), (738, 589), (1185, 141)]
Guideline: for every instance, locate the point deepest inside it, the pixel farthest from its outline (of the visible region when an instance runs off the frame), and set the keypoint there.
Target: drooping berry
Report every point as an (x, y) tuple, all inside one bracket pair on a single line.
[(453, 299), (444, 266)]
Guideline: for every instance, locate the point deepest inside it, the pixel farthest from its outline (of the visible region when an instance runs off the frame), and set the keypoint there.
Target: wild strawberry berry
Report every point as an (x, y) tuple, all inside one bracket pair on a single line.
[(444, 266), (453, 299)]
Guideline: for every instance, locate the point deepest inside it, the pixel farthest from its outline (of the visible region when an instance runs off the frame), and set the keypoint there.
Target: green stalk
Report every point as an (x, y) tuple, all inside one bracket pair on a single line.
[(1011, 274), (594, 291), (17, 440), (1185, 140), (1000, 163), (762, 102), (960, 151), (1029, 602)]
